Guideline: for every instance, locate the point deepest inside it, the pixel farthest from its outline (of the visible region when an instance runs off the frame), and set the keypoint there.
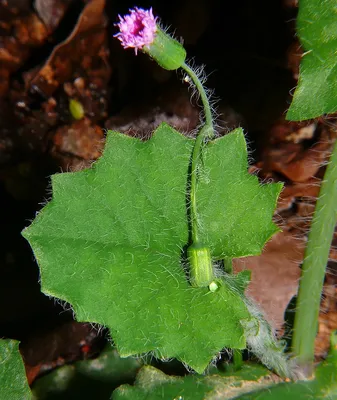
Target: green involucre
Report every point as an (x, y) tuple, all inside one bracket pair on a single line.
[(166, 51)]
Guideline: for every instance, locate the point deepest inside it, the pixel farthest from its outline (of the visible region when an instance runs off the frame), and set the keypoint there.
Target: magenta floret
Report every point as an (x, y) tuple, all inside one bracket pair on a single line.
[(137, 29)]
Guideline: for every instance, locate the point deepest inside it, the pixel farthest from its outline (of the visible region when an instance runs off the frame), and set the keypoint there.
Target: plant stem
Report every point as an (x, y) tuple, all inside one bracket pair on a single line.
[(206, 131), (237, 359), (196, 154), (201, 273), (228, 265), (203, 95), (313, 268)]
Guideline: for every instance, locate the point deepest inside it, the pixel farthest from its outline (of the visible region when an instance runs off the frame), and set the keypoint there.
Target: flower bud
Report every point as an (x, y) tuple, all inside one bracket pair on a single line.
[(201, 268)]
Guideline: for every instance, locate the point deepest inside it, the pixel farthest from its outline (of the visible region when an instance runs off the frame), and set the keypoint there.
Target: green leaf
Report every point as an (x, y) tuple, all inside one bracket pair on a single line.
[(235, 211), (249, 383), (152, 384), (323, 386), (111, 240), (87, 379), (13, 382), (316, 93)]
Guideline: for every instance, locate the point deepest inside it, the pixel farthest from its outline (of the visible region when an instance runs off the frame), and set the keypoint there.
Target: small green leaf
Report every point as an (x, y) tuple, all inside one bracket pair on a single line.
[(76, 109), (87, 379), (152, 384), (316, 92), (249, 383), (323, 386), (13, 382), (110, 243)]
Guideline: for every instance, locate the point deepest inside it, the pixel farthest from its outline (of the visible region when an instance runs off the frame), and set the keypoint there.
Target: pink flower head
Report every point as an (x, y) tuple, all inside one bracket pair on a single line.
[(137, 29)]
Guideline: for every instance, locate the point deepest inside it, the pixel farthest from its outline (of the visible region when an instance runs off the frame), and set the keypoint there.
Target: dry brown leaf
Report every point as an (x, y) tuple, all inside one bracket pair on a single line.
[(275, 275), (78, 50)]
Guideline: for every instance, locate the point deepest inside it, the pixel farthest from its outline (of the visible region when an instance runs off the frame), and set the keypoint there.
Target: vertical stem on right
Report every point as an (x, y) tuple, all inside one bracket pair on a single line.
[(313, 268)]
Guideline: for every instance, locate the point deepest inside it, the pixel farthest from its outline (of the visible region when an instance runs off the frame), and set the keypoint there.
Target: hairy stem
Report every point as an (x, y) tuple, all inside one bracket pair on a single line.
[(199, 256), (313, 268), (206, 131), (204, 99), (196, 155)]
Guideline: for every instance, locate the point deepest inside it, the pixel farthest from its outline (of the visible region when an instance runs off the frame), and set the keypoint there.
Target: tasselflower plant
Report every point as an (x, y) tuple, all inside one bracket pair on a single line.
[(138, 29), (143, 241)]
